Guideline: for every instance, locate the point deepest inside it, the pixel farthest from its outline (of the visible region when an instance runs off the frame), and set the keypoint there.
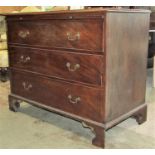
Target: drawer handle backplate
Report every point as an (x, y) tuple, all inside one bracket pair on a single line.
[(72, 68), (24, 59), (73, 100), (26, 86), (23, 34), (72, 37)]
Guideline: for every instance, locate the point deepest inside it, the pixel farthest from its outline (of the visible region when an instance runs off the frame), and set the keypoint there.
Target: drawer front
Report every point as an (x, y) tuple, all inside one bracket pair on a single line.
[(71, 66), (64, 34), (80, 100)]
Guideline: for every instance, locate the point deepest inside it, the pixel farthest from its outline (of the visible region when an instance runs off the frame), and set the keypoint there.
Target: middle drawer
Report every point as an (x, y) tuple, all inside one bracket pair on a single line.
[(79, 67)]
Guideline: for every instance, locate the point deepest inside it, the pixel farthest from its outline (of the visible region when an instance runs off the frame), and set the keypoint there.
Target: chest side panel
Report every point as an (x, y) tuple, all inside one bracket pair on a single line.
[(126, 58)]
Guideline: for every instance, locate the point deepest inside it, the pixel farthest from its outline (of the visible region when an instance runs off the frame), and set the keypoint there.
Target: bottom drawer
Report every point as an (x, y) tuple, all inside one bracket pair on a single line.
[(76, 99)]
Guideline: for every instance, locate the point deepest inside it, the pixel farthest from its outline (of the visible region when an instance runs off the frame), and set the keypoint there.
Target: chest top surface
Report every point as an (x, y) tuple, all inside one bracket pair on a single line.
[(70, 14)]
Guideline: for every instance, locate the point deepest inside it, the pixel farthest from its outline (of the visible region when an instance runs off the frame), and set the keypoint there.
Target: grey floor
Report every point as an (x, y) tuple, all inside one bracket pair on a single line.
[(32, 127)]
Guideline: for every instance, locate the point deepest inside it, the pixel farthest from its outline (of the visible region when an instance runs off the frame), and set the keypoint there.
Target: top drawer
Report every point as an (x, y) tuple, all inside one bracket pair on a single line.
[(62, 34)]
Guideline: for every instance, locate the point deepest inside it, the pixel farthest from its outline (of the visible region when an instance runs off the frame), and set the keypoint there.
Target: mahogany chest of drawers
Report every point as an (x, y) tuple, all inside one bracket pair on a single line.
[(88, 65)]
